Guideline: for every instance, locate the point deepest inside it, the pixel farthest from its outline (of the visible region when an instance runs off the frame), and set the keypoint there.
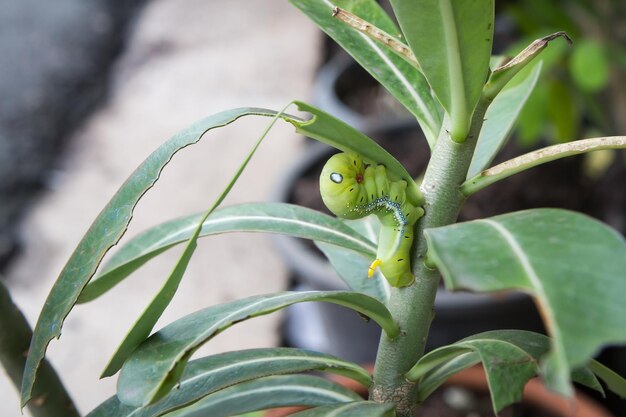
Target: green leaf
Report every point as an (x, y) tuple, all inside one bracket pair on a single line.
[(252, 217), (510, 359), (500, 119), (538, 157), (614, 382), (148, 319), (572, 264), (269, 392), (437, 376), (106, 230), (400, 78), (354, 409), (213, 373), (156, 365), (589, 66), (327, 129), (452, 42)]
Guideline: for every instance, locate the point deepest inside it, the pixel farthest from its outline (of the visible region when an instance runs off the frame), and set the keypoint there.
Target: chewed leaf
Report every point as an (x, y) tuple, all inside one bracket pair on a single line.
[(572, 264), (147, 320)]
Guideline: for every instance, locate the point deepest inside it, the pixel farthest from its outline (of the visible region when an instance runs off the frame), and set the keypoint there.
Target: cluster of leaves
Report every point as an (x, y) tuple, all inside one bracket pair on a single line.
[(451, 44)]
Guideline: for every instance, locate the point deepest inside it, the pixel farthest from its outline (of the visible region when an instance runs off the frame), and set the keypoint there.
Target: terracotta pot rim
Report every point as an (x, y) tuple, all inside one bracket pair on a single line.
[(474, 378), (535, 393)]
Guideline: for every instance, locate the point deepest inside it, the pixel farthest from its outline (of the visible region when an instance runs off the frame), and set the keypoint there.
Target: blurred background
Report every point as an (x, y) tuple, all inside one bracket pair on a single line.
[(89, 89)]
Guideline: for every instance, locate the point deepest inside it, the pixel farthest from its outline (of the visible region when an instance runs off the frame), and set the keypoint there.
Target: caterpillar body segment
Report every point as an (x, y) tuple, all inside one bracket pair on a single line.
[(396, 264), (352, 189)]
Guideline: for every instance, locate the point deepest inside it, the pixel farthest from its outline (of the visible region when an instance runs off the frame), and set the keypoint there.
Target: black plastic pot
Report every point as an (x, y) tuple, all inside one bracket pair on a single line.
[(338, 331)]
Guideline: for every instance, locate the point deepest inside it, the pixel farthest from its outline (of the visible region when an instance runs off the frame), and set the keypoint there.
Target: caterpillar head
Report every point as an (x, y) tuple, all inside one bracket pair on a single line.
[(341, 184)]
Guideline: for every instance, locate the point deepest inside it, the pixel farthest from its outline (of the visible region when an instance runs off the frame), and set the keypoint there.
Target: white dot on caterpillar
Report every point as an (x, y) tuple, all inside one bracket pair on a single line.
[(336, 177)]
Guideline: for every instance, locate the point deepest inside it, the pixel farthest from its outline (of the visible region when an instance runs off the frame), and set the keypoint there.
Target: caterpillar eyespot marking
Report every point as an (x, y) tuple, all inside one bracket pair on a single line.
[(336, 178), (366, 189)]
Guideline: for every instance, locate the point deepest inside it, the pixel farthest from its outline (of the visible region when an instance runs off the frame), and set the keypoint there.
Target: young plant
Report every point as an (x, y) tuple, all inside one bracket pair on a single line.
[(437, 64)]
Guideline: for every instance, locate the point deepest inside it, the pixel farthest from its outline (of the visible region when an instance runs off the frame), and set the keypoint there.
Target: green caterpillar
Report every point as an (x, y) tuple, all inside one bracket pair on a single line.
[(352, 189)]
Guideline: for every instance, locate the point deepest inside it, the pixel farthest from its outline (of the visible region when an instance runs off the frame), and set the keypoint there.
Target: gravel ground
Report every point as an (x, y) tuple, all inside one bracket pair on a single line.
[(185, 59)]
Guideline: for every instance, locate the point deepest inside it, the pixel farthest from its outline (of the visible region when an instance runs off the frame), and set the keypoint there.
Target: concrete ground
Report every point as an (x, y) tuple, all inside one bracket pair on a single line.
[(186, 59)]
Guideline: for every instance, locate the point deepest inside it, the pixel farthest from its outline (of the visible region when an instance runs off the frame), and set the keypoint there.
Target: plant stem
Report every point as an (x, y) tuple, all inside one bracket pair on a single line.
[(50, 399), (413, 306)]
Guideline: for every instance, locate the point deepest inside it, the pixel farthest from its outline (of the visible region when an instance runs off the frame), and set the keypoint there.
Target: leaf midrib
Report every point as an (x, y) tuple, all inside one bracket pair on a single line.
[(535, 281), (166, 241)]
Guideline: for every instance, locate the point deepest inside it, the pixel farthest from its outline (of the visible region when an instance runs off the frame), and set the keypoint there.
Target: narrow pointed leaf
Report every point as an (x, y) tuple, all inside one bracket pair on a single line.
[(399, 77), (572, 264), (614, 381), (354, 409), (252, 217), (510, 359), (155, 367), (435, 377), (213, 373), (500, 119), (106, 230), (452, 42), (538, 157), (269, 392), (504, 73)]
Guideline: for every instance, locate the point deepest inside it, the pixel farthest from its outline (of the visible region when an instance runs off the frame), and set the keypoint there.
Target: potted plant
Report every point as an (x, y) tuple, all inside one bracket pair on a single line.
[(439, 69)]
